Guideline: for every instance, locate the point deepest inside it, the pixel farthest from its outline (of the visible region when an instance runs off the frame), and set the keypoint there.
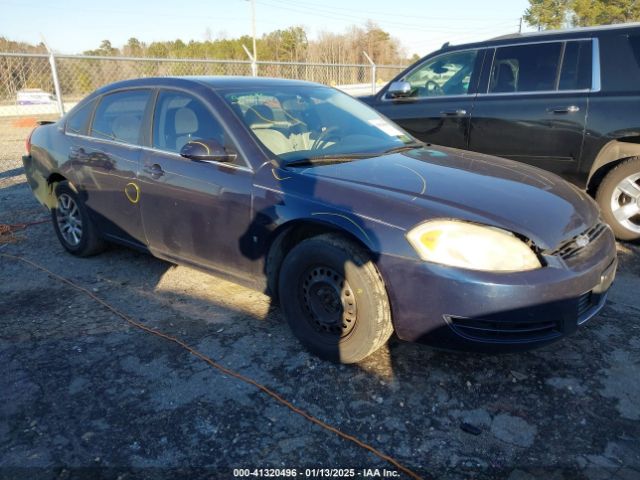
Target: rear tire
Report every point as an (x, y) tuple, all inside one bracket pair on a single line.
[(334, 299), (73, 225), (619, 199)]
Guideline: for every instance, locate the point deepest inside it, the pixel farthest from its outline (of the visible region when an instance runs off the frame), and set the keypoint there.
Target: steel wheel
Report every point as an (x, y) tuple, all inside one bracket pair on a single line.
[(333, 298), (625, 202), (69, 220), (329, 301)]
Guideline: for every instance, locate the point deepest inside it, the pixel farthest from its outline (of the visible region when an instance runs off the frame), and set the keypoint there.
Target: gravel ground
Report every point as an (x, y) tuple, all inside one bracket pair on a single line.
[(85, 395)]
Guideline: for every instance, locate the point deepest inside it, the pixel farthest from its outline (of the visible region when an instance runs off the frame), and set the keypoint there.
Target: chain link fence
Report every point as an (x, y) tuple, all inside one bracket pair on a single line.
[(49, 85)]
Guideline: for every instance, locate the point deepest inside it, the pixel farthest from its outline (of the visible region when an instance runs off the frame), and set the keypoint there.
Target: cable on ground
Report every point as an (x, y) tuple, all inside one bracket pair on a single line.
[(277, 397)]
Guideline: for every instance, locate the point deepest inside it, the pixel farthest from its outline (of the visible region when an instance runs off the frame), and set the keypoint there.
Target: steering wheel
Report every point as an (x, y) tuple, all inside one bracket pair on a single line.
[(326, 135), (434, 87)]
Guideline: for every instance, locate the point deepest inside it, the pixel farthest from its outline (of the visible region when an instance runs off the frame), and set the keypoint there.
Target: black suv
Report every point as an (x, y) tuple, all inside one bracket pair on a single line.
[(566, 101)]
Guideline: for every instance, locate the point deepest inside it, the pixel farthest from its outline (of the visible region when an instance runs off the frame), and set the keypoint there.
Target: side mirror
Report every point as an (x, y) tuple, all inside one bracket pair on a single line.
[(206, 151), (399, 89)]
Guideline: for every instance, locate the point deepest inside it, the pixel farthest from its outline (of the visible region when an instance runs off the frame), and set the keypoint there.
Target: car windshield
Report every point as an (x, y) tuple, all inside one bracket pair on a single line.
[(314, 122)]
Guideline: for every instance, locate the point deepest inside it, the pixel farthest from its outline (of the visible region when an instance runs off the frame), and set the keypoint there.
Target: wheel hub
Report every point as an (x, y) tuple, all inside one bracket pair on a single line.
[(329, 301)]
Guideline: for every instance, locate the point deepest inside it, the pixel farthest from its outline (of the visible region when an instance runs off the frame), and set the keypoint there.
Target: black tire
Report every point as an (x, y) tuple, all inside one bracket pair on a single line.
[(609, 196), (326, 281), (89, 240)]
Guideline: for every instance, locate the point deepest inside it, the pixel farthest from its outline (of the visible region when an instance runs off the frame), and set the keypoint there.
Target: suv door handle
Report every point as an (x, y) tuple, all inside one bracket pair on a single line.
[(154, 170), (569, 109), (454, 113)]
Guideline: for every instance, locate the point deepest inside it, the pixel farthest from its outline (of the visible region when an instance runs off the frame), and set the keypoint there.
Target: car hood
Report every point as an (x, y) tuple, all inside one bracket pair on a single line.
[(446, 182)]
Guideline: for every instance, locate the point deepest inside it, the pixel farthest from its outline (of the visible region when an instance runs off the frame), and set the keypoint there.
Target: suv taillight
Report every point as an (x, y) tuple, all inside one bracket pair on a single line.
[(27, 143)]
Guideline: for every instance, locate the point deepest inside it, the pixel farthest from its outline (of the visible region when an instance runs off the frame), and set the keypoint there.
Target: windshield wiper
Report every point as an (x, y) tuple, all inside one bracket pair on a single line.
[(402, 148), (327, 159)]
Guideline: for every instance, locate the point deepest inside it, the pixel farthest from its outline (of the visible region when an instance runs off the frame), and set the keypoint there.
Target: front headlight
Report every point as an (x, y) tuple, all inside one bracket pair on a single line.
[(471, 246)]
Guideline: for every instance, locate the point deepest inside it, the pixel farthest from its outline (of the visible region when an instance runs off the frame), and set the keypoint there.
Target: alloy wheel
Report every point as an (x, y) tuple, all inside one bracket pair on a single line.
[(625, 202), (69, 219)]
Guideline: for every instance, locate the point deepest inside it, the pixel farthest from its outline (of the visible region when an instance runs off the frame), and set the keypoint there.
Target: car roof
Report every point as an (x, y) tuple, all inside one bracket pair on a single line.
[(547, 35), (214, 82)]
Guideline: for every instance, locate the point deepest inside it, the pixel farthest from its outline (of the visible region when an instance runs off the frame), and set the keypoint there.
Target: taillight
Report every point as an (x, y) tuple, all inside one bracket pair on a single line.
[(27, 143)]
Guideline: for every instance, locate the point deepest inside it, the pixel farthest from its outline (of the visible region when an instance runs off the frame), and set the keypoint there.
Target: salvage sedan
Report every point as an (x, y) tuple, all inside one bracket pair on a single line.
[(355, 227)]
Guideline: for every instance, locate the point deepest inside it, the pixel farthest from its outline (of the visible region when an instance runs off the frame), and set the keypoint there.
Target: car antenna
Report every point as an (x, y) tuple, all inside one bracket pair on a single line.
[(445, 45)]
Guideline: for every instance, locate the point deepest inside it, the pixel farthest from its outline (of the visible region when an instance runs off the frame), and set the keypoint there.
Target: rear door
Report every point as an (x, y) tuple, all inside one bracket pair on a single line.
[(107, 160), (196, 212), (442, 93), (533, 102)]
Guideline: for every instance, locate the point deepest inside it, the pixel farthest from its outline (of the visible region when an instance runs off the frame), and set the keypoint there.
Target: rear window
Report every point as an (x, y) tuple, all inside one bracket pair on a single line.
[(78, 121), (525, 68), (119, 116), (576, 66)]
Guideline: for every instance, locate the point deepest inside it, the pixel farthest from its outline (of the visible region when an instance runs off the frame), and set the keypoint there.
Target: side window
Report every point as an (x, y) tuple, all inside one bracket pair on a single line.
[(119, 116), (525, 68), (447, 74), (180, 118), (78, 121), (576, 66)]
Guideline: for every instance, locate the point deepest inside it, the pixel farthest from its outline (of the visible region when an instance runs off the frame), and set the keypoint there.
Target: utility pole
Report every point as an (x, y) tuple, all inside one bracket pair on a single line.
[(520, 27)]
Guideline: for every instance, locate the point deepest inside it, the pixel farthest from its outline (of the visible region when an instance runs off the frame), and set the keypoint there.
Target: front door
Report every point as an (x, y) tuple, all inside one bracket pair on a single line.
[(195, 212), (534, 104), (438, 108)]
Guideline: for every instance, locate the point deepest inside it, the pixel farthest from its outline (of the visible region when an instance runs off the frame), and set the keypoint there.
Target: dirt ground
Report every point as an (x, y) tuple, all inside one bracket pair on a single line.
[(85, 395)]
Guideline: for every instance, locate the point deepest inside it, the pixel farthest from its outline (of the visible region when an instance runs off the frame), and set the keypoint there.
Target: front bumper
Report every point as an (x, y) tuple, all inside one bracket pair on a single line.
[(460, 309)]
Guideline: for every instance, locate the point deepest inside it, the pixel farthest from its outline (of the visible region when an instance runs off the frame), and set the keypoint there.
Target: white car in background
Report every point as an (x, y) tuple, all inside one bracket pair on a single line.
[(35, 96)]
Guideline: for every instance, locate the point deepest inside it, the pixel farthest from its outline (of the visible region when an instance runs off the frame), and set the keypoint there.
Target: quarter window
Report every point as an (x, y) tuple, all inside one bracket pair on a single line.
[(576, 66), (525, 68), (448, 74), (181, 118), (119, 116), (79, 119)]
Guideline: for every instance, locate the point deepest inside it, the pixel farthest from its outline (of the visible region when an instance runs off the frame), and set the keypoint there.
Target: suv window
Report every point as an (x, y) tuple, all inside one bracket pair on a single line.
[(119, 116), (180, 118), (525, 68), (576, 66), (447, 74), (78, 121)]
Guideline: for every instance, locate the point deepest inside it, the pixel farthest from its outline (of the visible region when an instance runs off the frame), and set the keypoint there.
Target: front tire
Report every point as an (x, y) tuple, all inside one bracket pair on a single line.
[(72, 223), (334, 300), (619, 199)]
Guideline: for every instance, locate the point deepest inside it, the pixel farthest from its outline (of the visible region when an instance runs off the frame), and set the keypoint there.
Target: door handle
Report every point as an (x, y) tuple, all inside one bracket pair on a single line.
[(569, 109), (154, 170), (454, 113)]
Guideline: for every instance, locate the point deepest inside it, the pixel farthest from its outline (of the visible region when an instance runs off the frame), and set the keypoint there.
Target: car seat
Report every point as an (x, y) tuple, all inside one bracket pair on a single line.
[(260, 120)]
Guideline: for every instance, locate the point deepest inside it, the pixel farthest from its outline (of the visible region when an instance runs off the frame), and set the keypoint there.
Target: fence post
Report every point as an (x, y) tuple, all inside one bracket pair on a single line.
[(254, 64), (56, 83), (373, 73)]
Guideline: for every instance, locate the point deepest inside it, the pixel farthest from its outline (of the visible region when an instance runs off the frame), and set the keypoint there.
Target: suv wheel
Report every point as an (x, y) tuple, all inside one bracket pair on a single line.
[(334, 299), (619, 199)]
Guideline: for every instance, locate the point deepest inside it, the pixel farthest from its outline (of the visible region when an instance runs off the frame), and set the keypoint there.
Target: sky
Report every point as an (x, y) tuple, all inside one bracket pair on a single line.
[(421, 26)]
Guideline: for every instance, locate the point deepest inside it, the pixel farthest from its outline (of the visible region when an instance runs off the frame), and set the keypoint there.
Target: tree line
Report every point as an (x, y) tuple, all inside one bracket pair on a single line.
[(289, 45), (553, 14)]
